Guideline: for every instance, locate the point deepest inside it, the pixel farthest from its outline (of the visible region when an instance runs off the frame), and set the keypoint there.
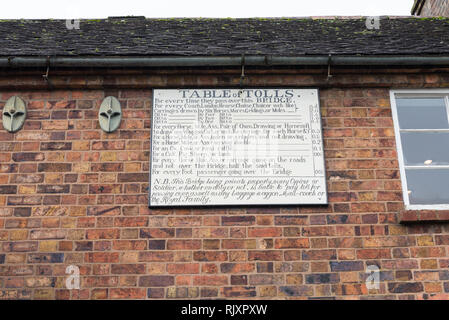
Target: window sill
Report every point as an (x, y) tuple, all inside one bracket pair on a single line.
[(417, 216)]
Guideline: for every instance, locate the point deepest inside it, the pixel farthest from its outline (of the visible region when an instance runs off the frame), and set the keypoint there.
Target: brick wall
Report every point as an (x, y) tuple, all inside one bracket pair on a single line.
[(72, 194), (435, 8)]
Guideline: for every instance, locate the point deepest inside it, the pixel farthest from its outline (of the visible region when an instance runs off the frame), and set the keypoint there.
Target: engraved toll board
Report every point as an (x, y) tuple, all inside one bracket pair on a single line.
[(236, 147)]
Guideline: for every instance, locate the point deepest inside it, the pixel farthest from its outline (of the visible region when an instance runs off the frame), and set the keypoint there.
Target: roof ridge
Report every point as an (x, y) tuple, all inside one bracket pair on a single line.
[(229, 18)]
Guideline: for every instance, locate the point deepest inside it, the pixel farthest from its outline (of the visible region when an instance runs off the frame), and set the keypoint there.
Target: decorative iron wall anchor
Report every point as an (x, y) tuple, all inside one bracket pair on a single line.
[(14, 114), (110, 114)]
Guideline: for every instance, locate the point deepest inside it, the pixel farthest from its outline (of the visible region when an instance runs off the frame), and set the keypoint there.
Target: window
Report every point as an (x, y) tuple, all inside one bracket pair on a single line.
[(421, 121)]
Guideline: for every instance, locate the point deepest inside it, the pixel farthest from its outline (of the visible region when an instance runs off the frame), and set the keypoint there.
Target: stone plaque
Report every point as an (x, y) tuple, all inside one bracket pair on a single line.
[(236, 147)]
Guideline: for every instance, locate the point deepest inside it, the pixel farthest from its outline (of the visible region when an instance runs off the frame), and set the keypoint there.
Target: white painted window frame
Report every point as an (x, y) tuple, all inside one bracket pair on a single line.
[(418, 93)]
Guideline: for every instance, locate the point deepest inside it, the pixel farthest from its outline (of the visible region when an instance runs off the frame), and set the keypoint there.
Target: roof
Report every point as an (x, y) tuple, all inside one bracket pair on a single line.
[(138, 36)]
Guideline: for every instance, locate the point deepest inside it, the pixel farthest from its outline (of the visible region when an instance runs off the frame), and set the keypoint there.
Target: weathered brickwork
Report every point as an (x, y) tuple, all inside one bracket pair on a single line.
[(72, 194)]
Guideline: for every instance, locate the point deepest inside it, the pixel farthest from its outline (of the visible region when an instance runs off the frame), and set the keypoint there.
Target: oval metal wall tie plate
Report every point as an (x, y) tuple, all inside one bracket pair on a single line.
[(110, 114), (14, 114)]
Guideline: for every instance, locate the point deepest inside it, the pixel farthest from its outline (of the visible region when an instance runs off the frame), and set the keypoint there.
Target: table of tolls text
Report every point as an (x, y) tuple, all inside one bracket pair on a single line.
[(236, 147)]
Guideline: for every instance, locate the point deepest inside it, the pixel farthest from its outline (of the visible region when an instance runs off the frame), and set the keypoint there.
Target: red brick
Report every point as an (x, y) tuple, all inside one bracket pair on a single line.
[(295, 291), (265, 255), (264, 232), (238, 220), (155, 256), (156, 281), (47, 234), (97, 257), (54, 167), (238, 292), (127, 293), (128, 269), (210, 255), (397, 287), (103, 234), (183, 244), (237, 267), (238, 244), (319, 255), (28, 156), (129, 245), (130, 221), (133, 177), (374, 254), (157, 233), (208, 280), (291, 243), (183, 268)]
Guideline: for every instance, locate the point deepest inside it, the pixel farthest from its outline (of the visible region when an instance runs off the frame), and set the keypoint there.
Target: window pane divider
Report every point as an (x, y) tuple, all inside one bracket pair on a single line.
[(428, 167), (424, 130)]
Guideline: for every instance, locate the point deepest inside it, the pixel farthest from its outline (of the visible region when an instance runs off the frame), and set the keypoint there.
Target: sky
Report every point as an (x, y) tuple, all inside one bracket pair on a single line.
[(44, 9)]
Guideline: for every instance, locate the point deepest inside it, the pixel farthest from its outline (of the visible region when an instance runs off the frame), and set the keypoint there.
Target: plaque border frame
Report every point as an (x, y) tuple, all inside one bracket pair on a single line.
[(245, 205)]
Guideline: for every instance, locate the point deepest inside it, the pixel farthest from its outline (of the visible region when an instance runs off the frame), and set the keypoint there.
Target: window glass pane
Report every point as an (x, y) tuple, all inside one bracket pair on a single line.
[(428, 186), (425, 148), (422, 113)]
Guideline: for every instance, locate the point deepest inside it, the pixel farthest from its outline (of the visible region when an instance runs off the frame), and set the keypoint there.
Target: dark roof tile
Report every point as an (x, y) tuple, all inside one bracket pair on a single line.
[(133, 36)]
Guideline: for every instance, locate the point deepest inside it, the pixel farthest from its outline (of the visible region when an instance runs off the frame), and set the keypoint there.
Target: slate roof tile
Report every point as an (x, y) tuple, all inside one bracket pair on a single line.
[(138, 36)]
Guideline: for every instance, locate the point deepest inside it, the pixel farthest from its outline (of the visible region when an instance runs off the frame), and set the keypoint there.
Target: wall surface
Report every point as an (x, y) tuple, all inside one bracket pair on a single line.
[(435, 8), (71, 194)]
